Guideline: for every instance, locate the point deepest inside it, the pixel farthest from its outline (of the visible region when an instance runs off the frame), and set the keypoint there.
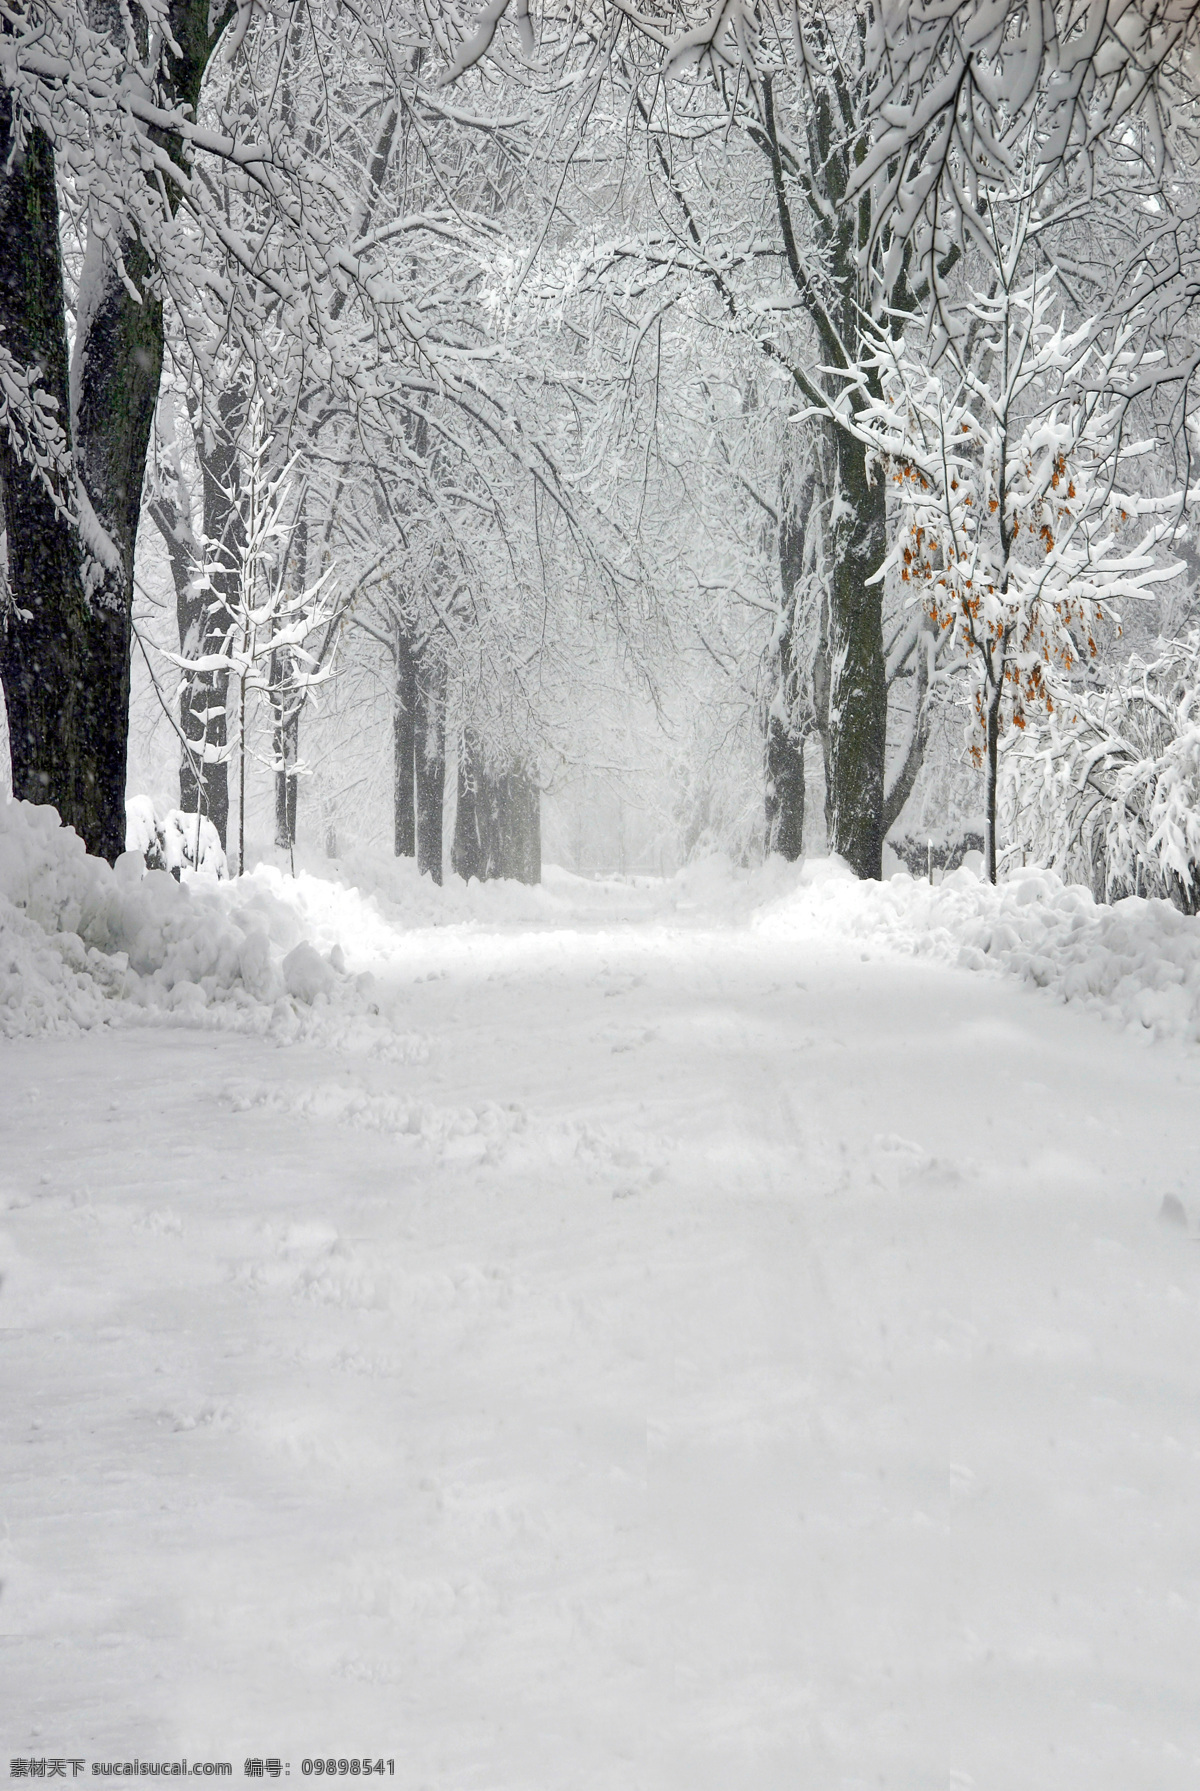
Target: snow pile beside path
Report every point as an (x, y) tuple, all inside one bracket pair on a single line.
[(47, 983), (1136, 962), (83, 944)]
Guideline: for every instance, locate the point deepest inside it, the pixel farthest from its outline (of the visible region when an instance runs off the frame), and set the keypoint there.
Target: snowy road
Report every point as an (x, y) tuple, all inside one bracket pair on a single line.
[(696, 1358)]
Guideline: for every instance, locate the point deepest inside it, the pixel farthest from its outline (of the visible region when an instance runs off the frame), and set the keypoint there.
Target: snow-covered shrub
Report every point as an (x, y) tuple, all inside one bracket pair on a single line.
[(1107, 789), (1015, 479), (174, 841), (939, 849)]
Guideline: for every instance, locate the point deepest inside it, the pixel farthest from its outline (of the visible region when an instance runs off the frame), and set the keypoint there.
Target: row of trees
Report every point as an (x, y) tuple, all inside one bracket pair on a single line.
[(813, 372)]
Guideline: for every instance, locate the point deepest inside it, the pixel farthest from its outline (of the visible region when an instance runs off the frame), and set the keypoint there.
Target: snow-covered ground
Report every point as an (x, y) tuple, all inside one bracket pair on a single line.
[(627, 1335)]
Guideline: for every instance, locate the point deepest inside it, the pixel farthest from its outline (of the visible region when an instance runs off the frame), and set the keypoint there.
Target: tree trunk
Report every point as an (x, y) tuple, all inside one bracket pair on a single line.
[(203, 777), (520, 826), (858, 678), (206, 618), (785, 791), (992, 720), (48, 699), (430, 766), (498, 832), (785, 738), (114, 387), (65, 656), (201, 620), (404, 737), (285, 706), (469, 855), (821, 679), (287, 700)]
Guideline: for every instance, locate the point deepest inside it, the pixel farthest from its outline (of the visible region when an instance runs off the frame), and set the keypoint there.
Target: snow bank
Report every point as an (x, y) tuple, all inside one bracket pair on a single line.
[(83, 944), (1136, 962)]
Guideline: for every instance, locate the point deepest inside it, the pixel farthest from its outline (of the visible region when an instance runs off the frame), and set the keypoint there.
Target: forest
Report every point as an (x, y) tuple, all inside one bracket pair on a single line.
[(600, 893), (666, 431)]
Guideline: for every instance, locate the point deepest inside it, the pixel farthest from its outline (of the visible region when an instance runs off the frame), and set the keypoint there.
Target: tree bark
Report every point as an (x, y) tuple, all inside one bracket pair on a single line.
[(430, 765), (992, 722), (785, 737), (48, 699), (498, 832), (202, 622), (858, 676), (287, 700), (206, 618), (66, 651), (785, 791), (404, 737), (836, 303), (114, 387), (285, 707), (469, 855)]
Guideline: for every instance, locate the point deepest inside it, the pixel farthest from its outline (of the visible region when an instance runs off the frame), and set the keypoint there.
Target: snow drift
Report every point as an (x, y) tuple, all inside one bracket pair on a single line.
[(83, 944), (1136, 963)]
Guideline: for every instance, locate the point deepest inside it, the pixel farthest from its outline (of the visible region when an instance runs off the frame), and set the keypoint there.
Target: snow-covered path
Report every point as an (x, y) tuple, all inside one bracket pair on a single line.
[(695, 1357)]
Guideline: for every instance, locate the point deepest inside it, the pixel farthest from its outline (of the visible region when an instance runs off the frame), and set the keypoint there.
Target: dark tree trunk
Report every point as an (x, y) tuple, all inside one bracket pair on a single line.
[(858, 675), (287, 783), (203, 777), (785, 791), (47, 695), (114, 388), (404, 737), (821, 680), (430, 765), (285, 703), (837, 302), (498, 832), (992, 763), (65, 656)]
